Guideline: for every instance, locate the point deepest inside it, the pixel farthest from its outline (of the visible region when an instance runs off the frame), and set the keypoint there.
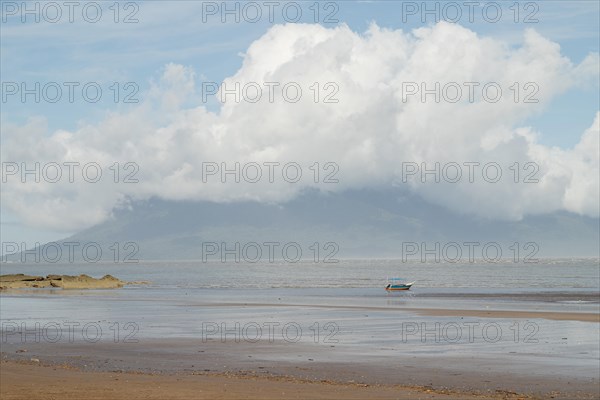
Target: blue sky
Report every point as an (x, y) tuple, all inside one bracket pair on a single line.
[(173, 32), (108, 52)]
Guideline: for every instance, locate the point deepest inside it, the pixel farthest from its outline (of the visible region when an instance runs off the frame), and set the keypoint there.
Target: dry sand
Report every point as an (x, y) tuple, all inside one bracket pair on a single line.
[(33, 381)]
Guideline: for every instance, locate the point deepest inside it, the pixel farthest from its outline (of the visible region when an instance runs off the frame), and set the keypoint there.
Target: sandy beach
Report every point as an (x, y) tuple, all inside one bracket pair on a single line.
[(384, 359), (176, 341), (61, 382)]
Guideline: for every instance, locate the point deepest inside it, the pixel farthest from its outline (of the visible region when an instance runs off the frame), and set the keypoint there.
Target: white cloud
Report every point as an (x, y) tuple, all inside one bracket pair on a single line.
[(369, 133)]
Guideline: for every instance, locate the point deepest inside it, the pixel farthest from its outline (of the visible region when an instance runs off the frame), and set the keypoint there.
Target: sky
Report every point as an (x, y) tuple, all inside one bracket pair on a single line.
[(155, 62)]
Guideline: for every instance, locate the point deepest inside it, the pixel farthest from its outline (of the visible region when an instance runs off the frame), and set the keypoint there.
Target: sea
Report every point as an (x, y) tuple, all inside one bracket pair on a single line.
[(563, 274)]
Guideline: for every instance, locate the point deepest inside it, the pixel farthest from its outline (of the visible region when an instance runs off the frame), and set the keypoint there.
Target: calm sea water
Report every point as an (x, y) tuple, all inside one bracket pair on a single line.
[(545, 274)]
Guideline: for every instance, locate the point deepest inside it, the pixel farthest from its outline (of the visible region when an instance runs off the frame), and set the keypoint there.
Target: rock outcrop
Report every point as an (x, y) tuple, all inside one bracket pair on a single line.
[(21, 281)]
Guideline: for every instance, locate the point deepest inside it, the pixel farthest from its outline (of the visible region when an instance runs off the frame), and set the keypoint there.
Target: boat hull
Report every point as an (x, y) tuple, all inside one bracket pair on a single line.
[(397, 288)]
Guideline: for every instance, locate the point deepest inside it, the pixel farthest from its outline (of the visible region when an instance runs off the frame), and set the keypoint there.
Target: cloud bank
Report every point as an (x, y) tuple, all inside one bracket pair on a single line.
[(371, 134)]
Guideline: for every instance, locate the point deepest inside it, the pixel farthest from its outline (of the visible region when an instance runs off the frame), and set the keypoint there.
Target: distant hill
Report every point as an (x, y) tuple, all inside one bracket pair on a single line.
[(359, 223)]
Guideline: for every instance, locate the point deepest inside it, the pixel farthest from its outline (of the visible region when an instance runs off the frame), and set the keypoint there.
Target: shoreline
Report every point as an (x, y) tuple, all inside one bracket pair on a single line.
[(339, 343)]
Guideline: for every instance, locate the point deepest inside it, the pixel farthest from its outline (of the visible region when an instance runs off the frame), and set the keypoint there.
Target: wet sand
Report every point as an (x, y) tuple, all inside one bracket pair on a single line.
[(385, 347), (424, 371), (554, 316), (448, 312)]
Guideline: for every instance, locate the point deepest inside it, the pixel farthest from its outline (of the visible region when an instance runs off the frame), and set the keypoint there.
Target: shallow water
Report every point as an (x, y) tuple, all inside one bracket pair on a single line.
[(545, 274)]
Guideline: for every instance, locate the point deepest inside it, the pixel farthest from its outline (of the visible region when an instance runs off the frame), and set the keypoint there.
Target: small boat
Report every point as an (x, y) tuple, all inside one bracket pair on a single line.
[(397, 284)]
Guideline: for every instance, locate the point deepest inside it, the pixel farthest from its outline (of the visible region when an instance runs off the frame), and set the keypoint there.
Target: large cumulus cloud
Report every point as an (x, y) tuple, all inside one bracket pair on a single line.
[(369, 133)]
